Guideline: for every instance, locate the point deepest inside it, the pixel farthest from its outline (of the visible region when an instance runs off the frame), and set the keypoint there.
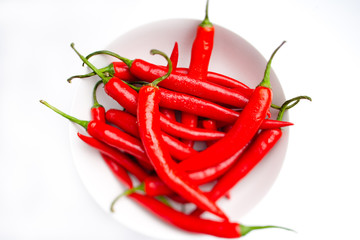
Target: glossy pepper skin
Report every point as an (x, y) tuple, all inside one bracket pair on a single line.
[(117, 156), (149, 125), (243, 130), (128, 99), (223, 229), (119, 172), (239, 135), (128, 123)]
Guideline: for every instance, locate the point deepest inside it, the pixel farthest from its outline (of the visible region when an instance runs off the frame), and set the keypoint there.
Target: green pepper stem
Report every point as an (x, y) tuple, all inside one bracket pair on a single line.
[(206, 22), (82, 123), (127, 61), (266, 80), (141, 187), (108, 71), (158, 80), (246, 229), (95, 101), (286, 105), (90, 65)]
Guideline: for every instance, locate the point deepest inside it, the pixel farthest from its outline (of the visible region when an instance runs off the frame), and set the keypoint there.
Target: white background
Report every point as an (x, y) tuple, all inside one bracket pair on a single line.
[(317, 191)]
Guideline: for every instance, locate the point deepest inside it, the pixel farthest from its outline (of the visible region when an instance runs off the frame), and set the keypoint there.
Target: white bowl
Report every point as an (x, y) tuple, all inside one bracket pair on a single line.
[(232, 56)]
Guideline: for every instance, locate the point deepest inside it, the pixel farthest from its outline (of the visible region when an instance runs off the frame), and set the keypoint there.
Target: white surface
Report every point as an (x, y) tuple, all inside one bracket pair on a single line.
[(228, 48), (42, 196)]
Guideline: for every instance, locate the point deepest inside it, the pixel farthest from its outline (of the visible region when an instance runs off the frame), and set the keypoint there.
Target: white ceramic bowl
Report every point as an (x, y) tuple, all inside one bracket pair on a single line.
[(232, 56)]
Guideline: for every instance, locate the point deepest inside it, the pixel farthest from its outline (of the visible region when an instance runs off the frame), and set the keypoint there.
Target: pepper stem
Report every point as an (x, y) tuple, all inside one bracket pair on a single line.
[(90, 65), (206, 22), (82, 123), (141, 187), (96, 103), (107, 71), (246, 229), (266, 80), (158, 80), (286, 105), (127, 61)]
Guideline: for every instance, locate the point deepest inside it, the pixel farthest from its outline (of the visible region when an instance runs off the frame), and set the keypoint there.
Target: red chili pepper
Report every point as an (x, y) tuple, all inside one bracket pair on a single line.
[(110, 135), (119, 172), (97, 110), (182, 83), (174, 57), (243, 130), (154, 186), (127, 122), (224, 229), (256, 151), (148, 116), (117, 156), (199, 62), (98, 113), (202, 48)]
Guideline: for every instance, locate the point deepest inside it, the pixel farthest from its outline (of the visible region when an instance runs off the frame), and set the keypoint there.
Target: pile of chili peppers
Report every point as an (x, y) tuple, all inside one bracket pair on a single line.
[(163, 111)]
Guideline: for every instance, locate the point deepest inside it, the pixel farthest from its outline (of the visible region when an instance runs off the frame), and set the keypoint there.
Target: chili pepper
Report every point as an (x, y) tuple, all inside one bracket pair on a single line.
[(261, 145), (149, 126), (117, 156), (98, 113), (199, 62), (97, 110), (110, 135), (119, 172), (243, 130), (127, 122), (224, 229), (127, 98), (154, 186), (202, 48), (174, 57), (180, 82)]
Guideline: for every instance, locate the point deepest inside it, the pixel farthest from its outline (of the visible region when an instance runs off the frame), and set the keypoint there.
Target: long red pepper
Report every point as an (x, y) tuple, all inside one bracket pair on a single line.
[(257, 150), (98, 113), (243, 130), (109, 135), (117, 156), (127, 98), (224, 229), (127, 122), (199, 62), (149, 125), (182, 83)]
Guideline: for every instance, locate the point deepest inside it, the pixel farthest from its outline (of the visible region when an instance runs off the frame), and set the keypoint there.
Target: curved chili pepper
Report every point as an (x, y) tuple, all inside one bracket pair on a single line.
[(243, 130), (110, 135), (97, 110), (224, 229), (174, 57), (180, 82), (199, 62), (127, 122), (98, 113), (261, 145), (149, 126), (128, 98), (119, 172), (117, 156)]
